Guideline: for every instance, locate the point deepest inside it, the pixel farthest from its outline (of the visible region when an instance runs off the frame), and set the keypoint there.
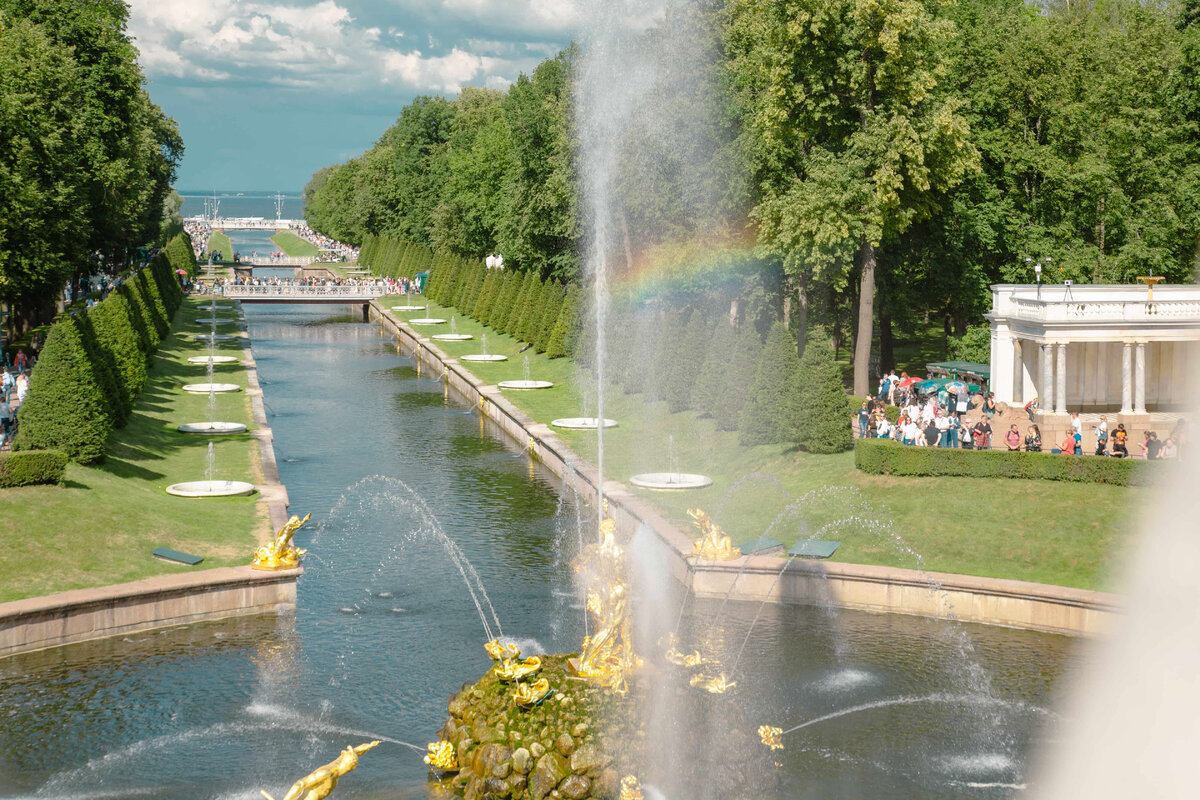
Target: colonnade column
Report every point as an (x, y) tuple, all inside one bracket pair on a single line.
[(1046, 378), (1139, 378), (1060, 380), (1127, 378), (1018, 386)]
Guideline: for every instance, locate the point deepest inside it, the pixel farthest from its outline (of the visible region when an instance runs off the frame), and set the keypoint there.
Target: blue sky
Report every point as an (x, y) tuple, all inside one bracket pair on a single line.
[(266, 93)]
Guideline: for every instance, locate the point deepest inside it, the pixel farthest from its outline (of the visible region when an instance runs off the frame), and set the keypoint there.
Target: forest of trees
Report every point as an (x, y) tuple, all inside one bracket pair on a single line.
[(865, 165), (86, 158)]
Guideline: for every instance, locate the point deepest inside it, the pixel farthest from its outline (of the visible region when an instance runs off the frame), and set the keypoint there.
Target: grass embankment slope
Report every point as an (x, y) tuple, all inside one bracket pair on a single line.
[(100, 528), (1042, 531), (293, 245), (219, 243)]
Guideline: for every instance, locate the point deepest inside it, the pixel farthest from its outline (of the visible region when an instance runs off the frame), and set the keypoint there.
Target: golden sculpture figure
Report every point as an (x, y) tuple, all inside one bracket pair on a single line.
[(607, 656), (527, 694), (680, 659), (323, 780), (630, 788), (506, 651), (771, 737), (281, 553), (713, 684), (513, 670), (441, 757), (713, 544)]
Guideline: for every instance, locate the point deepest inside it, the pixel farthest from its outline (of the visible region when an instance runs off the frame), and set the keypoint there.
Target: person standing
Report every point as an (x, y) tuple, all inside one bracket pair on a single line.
[(864, 421), (1102, 437), (1077, 425), (1012, 439), (989, 405), (1033, 440), (982, 433), (942, 423), (1120, 443)]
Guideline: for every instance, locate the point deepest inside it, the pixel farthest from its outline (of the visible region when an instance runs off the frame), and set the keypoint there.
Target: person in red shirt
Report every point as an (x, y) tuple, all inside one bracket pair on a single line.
[(1013, 439)]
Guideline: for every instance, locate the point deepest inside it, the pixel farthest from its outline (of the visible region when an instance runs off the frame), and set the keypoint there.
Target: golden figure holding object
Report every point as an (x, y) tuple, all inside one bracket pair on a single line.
[(713, 544), (528, 694), (630, 788), (281, 553), (771, 737), (441, 757), (323, 780), (713, 684), (513, 670), (606, 656)]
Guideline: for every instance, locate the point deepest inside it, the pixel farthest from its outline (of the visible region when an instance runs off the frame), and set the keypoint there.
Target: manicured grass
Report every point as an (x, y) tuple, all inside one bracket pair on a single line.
[(220, 243), (1043, 531), (100, 527), (293, 245)]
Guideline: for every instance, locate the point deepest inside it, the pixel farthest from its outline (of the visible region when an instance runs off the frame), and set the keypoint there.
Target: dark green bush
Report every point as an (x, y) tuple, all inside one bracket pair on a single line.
[(714, 371), (32, 467), (141, 319), (66, 408), (111, 321), (552, 302), (739, 375), (885, 457), (180, 255), (558, 345), (822, 400), (772, 411)]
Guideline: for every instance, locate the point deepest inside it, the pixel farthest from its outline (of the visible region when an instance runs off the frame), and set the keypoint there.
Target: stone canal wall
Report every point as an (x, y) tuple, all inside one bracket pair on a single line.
[(992, 601), (163, 601)]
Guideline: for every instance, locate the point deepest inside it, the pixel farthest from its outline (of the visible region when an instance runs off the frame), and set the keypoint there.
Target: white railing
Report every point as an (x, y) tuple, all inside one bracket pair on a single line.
[(1106, 311), (282, 262), (247, 223), (331, 292)]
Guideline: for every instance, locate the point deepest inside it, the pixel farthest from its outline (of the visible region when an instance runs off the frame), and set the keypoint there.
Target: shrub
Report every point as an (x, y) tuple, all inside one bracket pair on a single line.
[(111, 320), (509, 325), (681, 372), (32, 467), (103, 364), (822, 400), (771, 414), (974, 345), (552, 302), (885, 457), (739, 375), (140, 318), (558, 344), (152, 299), (714, 370), (66, 409), (180, 255), (487, 294), (531, 314)]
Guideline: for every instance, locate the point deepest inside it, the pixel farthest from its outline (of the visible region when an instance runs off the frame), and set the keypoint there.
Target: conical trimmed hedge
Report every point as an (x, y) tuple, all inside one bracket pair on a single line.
[(714, 371), (772, 411), (824, 425), (557, 345)]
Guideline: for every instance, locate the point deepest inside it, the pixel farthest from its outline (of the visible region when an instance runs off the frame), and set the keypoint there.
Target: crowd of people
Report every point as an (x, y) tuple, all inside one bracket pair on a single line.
[(14, 386), (943, 419), (386, 285), (342, 251)]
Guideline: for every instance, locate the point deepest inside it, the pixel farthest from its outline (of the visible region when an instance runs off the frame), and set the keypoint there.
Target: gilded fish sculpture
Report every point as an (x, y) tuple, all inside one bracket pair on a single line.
[(528, 694), (513, 670), (771, 737), (441, 757), (281, 554), (502, 651), (713, 544), (318, 784)]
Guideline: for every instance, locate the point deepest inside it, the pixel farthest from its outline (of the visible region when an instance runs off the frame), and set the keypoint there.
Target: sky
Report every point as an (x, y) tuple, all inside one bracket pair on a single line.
[(266, 93)]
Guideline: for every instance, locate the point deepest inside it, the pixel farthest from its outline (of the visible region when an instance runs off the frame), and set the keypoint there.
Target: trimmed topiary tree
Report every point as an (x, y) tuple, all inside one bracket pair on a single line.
[(531, 315), (552, 300), (111, 321), (684, 367), (824, 425), (510, 324), (180, 255), (66, 409), (771, 413), (557, 345), (140, 319), (714, 370)]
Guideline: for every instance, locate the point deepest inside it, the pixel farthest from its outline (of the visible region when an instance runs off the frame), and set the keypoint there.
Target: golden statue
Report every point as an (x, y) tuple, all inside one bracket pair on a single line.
[(281, 553), (505, 651), (441, 757), (713, 684), (680, 659), (513, 670), (713, 544), (771, 737), (606, 656), (529, 694), (630, 788), (323, 780)]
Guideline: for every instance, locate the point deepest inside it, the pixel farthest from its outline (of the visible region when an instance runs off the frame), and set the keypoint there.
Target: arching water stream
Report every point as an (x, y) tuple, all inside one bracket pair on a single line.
[(386, 629)]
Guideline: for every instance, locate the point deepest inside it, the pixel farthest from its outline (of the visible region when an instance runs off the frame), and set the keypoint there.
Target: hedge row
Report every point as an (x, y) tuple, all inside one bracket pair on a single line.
[(884, 457), (394, 258), (93, 364), (31, 468)]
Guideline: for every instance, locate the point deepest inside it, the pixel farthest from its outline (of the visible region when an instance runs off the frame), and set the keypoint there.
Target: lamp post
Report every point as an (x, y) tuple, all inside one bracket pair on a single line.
[(1037, 271)]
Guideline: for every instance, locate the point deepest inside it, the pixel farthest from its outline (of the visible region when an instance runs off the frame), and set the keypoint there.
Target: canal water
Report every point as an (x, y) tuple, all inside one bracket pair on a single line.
[(386, 630)]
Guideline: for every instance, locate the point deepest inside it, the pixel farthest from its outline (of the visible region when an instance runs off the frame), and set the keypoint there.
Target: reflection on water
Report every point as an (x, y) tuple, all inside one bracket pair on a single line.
[(386, 630)]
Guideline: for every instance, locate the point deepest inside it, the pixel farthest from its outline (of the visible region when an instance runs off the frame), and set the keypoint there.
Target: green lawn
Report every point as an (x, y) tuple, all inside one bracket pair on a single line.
[(293, 245), (1066, 534), (100, 527), (220, 243)]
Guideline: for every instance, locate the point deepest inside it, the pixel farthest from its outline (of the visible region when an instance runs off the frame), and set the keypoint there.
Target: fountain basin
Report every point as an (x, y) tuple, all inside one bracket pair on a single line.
[(582, 423), (210, 488), (206, 388), (408, 308), (211, 337), (212, 428), (483, 357), (452, 337), (426, 321), (525, 385), (668, 481), (217, 320), (211, 359)]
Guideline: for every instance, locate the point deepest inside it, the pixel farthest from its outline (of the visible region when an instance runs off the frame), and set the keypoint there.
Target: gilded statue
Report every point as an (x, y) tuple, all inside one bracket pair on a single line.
[(680, 659), (501, 651), (441, 757), (281, 553), (607, 656), (319, 783), (713, 544), (713, 684), (631, 789), (528, 694), (513, 670), (771, 737)]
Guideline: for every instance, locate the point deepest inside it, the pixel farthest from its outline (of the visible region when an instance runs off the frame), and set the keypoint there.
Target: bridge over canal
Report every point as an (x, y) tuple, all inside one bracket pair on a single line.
[(303, 293)]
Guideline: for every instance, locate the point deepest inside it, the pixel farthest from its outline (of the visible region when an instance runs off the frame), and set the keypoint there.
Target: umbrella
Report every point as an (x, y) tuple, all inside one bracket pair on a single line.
[(929, 386), (954, 387), (181, 272), (907, 382)]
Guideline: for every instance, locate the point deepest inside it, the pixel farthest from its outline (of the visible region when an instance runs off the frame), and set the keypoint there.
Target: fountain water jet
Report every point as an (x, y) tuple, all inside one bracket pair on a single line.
[(484, 355)]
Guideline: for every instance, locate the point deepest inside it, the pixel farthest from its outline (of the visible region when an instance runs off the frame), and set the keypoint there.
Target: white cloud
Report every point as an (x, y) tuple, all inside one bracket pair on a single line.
[(322, 46)]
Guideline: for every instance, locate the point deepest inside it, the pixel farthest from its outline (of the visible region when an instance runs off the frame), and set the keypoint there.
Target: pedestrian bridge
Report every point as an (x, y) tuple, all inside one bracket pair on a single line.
[(302, 293)]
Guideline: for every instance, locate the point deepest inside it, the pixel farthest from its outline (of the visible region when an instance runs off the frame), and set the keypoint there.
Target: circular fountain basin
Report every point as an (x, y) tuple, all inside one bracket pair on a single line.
[(210, 488), (426, 321), (216, 308), (452, 337), (408, 308), (525, 384), (212, 428), (483, 357), (218, 337), (211, 359), (218, 320), (582, 423), (670, 480), (214, 388)]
